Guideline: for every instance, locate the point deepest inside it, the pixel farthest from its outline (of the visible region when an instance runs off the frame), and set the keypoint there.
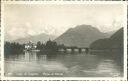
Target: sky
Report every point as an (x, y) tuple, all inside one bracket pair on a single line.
[(22, 20)]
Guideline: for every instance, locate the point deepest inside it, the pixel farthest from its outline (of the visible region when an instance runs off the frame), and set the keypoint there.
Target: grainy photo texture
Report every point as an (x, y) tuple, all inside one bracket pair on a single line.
[(65, 40)]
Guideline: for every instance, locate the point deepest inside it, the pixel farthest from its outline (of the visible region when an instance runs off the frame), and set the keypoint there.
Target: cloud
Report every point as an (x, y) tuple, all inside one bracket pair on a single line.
[(56, 19)]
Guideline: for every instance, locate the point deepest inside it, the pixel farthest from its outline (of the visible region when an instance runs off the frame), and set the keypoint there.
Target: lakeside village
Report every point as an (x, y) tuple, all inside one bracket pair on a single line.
[(49, 46), (53, 48)]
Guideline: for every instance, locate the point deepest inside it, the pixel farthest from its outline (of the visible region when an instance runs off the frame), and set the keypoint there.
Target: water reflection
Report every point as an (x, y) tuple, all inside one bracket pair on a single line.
[(60, 64)]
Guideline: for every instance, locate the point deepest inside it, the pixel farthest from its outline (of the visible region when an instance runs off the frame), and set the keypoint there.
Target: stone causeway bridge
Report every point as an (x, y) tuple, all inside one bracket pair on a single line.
[(74, 49)]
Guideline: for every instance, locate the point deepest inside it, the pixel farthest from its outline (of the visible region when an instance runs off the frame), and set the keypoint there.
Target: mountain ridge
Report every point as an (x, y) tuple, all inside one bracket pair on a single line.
[(81, 36), (41, 37), (114, 41)]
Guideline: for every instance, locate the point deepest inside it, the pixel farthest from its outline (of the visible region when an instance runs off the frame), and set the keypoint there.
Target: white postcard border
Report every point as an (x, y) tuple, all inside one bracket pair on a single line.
[(64, 78)]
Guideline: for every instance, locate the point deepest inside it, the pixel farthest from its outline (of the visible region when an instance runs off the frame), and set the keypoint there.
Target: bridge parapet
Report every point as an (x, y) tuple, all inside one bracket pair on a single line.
[(74, 49)]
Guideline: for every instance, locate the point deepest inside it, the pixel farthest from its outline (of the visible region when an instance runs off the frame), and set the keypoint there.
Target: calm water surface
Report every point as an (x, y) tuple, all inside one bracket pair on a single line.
[(66, 65)]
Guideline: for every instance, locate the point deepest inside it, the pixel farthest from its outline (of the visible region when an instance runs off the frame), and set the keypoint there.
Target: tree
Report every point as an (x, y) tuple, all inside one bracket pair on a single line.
[(38, 45), (52, 46)]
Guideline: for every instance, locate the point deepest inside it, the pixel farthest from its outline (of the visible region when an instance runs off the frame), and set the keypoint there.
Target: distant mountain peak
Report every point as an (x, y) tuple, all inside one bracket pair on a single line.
[(81, 36), (40, 37), (85, 26)]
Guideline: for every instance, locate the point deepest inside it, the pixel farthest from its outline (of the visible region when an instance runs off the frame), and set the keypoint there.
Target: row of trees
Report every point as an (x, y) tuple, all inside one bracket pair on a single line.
[(19, 48), (13, 47), (49, 46)]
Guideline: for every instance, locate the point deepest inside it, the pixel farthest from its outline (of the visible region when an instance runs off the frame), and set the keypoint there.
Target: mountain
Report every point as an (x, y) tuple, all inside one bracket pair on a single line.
[(110, 33), (8, 37), (115, 41), (80, 36), (41, 37)]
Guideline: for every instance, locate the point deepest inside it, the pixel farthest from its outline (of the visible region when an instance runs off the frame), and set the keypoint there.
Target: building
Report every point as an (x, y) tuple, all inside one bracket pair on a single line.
[(30, 46)]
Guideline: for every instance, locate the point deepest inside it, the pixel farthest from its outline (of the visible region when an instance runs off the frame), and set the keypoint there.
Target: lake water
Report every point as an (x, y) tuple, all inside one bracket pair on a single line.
[(61, 65)]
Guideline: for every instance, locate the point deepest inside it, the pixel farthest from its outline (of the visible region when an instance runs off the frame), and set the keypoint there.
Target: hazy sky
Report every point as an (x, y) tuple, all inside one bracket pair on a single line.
[(30, 19)]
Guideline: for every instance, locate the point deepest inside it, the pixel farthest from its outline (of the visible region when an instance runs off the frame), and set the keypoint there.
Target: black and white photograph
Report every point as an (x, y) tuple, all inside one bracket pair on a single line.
[(64, 40)]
